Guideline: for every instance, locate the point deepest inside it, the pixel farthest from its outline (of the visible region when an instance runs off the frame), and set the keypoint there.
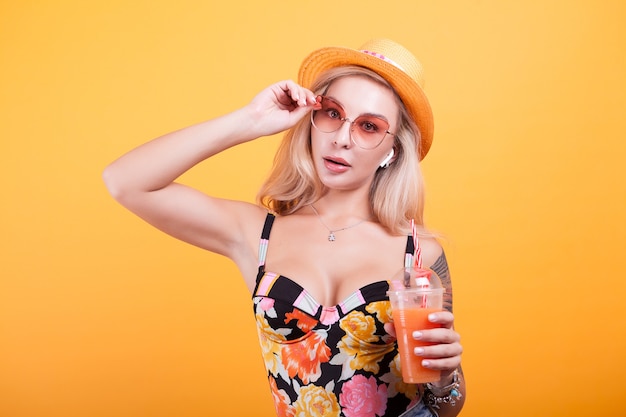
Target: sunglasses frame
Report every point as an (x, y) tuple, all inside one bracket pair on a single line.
[(343, 120)]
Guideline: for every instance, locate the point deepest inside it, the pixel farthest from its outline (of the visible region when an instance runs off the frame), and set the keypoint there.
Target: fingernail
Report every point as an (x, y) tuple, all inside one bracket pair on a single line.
[(419, 350), (417, 335), (432, 317), (425, 363)]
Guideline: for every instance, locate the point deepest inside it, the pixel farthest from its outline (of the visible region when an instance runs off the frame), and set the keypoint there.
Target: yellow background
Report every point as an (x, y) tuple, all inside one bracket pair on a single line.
[(100, 315)]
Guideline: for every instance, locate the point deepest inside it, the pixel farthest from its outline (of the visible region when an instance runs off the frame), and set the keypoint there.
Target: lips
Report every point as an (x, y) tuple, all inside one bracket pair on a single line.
[(335, 164), (337, 161)]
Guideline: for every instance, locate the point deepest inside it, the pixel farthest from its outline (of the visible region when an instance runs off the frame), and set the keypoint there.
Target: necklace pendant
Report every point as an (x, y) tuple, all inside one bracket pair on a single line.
[(331, 237)]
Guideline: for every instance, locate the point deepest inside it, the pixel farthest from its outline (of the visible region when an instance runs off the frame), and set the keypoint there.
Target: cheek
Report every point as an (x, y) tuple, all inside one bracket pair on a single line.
[(375, 157), (318, 141), (368, 163)]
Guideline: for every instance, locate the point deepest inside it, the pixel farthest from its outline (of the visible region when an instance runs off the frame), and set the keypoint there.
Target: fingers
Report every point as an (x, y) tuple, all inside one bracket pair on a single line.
[(444, 318), (295, 94), (445, 364), (389, 328), (443, 350), (278, 107)]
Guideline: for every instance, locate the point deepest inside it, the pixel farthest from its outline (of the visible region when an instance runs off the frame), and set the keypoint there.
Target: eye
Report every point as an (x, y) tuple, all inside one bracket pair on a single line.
[(331, 109), (369, 126), (333, 113)]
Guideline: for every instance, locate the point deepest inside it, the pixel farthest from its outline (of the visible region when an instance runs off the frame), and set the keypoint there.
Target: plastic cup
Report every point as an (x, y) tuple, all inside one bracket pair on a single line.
[(410, 308)]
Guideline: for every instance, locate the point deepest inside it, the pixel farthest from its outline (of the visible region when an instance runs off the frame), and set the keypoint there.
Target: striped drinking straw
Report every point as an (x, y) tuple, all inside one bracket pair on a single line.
[(416, 244), (421, 281)]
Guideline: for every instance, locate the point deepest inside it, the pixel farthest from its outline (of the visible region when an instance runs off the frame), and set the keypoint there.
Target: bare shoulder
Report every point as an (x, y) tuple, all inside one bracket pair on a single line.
[(431, 250), (434, 258)]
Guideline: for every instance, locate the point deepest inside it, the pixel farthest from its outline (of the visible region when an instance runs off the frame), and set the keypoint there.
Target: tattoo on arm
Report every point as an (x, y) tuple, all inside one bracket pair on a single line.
[(441, 268)]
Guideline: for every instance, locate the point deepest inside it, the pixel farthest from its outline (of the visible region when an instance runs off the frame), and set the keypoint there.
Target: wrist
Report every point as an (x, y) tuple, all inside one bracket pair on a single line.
[(437, 394), (445, 380)]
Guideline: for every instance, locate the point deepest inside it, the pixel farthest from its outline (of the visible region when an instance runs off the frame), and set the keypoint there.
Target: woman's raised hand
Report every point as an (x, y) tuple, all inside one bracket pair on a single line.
[(279, 106)]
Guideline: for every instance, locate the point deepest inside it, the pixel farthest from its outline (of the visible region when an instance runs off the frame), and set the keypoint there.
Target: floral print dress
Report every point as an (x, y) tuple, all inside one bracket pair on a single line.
[(329, 361)]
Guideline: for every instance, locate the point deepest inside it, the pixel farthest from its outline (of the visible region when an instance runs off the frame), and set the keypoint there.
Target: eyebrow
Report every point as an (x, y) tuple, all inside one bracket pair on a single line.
[(380, 116)]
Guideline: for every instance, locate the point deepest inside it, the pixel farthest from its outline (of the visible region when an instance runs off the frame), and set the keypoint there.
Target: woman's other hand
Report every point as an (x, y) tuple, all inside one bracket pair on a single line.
[(445, 352)]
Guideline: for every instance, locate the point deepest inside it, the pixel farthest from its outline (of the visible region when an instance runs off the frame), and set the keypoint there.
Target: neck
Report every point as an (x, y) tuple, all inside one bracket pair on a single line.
[(343, 207), (332, 230)]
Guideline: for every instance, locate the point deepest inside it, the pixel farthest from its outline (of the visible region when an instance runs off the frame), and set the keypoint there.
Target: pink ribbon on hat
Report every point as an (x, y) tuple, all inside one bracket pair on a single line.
[(383, 57)]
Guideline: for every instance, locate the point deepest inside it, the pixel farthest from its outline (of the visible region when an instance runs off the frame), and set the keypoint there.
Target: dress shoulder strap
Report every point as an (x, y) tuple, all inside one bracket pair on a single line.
[(413, 252), (265, 237)]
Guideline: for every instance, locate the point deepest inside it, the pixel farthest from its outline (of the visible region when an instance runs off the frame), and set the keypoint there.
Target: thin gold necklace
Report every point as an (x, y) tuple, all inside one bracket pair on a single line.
[(331, 233)]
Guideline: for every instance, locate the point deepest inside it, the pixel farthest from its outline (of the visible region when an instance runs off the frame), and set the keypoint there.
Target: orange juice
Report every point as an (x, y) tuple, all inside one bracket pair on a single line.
[(406, 321)]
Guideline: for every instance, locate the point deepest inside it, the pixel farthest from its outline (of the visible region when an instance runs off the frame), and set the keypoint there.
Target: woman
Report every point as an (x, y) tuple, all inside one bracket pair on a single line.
[(329, 233)]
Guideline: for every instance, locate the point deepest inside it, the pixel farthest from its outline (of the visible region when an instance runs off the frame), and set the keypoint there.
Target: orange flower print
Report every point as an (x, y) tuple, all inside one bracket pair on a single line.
[(314, 401), (282, 403), (304, 321), (305, 357), (363, 397)]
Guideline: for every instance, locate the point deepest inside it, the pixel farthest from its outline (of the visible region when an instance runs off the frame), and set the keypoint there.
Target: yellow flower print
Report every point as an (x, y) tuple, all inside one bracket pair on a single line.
[(314, 401), (382, 309), (269, 348), (358, 343), (359, 326), (396, 384)]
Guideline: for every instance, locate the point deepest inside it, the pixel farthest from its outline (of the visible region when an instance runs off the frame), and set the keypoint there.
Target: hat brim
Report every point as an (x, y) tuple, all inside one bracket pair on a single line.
[(409, 91)]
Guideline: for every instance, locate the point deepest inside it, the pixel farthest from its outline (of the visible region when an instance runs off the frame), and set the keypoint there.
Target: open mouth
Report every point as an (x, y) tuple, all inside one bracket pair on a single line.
[(337, 161)]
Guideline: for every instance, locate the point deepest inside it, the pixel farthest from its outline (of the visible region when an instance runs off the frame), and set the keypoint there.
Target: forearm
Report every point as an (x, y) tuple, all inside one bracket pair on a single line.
[(159, 162)]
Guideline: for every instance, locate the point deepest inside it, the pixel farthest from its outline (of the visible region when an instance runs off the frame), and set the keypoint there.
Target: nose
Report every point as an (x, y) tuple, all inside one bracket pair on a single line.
[(342, 135)]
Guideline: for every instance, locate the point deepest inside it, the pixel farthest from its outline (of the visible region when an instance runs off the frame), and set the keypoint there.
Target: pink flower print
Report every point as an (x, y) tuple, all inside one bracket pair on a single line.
[(362, 397), (266, 303)]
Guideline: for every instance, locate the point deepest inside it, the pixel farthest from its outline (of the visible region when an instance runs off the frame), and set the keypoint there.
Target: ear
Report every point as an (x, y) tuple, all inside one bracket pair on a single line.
[(388, 159)]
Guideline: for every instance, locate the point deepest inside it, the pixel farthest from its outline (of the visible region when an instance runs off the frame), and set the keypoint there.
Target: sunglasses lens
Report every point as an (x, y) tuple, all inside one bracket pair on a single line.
[(367, 132), (329, 118)]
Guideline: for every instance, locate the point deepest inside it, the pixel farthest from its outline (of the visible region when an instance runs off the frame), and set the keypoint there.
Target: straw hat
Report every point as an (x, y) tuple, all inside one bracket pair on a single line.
[(394, 63)]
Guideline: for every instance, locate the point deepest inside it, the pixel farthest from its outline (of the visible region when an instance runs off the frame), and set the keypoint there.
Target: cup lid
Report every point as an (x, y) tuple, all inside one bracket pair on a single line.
[(415, 277)]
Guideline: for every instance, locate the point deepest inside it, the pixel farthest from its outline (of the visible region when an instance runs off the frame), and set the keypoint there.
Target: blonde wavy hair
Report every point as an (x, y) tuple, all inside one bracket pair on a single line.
[(396, 194)]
